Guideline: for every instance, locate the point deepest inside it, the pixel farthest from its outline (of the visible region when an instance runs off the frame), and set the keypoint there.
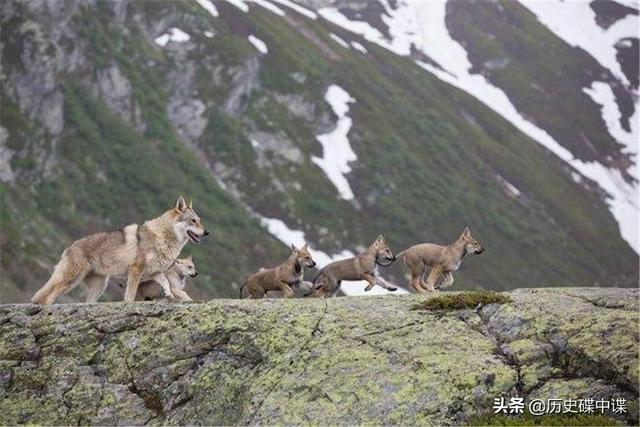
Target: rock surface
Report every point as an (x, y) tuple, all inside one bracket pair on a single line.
[(369, 360)]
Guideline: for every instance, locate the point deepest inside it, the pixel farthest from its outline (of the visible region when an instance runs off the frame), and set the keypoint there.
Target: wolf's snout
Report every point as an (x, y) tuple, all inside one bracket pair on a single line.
[(479, 251), (313, 264), (206, 232), (194, 274)]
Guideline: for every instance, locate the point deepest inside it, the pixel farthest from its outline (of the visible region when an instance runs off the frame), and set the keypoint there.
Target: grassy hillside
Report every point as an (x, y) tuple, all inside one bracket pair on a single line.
[(428, 155), (543, 75)]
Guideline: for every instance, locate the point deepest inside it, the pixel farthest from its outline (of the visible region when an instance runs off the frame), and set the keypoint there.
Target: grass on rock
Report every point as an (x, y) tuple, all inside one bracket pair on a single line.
[(462, 300)]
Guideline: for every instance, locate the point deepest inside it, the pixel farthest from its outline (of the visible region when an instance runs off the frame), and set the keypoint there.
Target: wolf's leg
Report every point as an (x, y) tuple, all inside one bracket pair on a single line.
[(133, 280), (334, 290), (164, 283), (433, 278), (386, 285), (95, 285), (369, 278), (417, 274), (287, 292), (180, 295), (319, 287), (448, 280), (423, 282), (256, 293), (70, 271)]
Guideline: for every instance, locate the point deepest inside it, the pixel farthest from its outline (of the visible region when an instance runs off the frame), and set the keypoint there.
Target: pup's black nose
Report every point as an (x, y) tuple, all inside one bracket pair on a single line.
[(206, 232), (313, 264)]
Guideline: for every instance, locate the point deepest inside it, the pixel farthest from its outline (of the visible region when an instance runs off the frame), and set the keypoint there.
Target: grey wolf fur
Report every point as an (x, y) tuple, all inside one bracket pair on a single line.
[(443, 261), (136, 252), (176, 275), (361, 267), (300, 290), (279, 278)]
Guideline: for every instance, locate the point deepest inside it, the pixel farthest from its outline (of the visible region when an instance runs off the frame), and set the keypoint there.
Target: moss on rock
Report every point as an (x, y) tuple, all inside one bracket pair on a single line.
[(462, 300), (366, 360)]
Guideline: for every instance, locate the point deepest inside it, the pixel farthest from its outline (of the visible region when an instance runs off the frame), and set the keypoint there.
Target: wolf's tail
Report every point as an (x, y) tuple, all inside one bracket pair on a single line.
[(400, 255), (242, 288)]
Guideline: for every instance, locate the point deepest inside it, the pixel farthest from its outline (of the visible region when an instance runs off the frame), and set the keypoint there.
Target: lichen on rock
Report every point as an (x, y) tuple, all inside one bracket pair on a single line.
[(366, 360)]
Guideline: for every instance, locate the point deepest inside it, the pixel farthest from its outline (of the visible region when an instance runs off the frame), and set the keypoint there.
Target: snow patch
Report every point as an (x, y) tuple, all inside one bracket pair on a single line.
[(301, 10), (336, 150), (338, 40), (172, 35), (258, 44), (508, 186), (358, 46), (575, 23), (280, 231), (208, 34), (603, 95), (269, 6), (240, 4), (362, 28), (209, 7), (423, 25)]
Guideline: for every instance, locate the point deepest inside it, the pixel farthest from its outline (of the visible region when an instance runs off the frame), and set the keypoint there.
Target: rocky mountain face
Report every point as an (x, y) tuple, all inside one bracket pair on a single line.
[(285, 126), (367, 360)]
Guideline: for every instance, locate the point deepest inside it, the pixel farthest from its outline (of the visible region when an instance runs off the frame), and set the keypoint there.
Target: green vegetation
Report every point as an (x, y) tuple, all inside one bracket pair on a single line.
[(428, 156), (544, 420), (540, 69), (462, 300)]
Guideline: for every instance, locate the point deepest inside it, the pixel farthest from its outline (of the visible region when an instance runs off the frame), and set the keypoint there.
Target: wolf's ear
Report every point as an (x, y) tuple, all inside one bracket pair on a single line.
[(380, 238), (189, 258), (466, 233), (181, 205), (305, 247), (191, 204), (293, 248)]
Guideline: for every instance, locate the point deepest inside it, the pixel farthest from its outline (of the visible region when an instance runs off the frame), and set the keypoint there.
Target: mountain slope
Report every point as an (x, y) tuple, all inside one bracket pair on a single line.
[(126, 105)]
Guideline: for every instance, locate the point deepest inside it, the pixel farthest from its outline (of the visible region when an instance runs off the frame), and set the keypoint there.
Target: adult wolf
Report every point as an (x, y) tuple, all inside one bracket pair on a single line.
[(135, 252), (443, 261), (361, 267)]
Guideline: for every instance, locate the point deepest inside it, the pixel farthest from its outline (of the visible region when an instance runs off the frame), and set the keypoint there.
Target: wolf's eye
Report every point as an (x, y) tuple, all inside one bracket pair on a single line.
[(193, 221)]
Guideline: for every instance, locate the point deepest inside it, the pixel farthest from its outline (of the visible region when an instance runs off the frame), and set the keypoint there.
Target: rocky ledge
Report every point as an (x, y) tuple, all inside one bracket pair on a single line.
[(367, 360)]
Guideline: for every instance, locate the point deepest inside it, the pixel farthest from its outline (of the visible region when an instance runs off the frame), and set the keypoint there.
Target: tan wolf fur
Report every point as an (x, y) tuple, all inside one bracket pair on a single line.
[(279, 278), (135, 252), (443, 261), (176, 275), (361, 267)]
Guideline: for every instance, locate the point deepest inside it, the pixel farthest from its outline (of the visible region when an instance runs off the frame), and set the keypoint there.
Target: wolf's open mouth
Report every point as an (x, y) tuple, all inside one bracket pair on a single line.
[(193, 236)]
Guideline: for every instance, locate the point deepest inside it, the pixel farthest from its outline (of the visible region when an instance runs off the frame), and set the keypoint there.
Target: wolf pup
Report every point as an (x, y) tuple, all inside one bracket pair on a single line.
[(443, 261), (176, 275), (135, 252), (361, 267), (279, 278)]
